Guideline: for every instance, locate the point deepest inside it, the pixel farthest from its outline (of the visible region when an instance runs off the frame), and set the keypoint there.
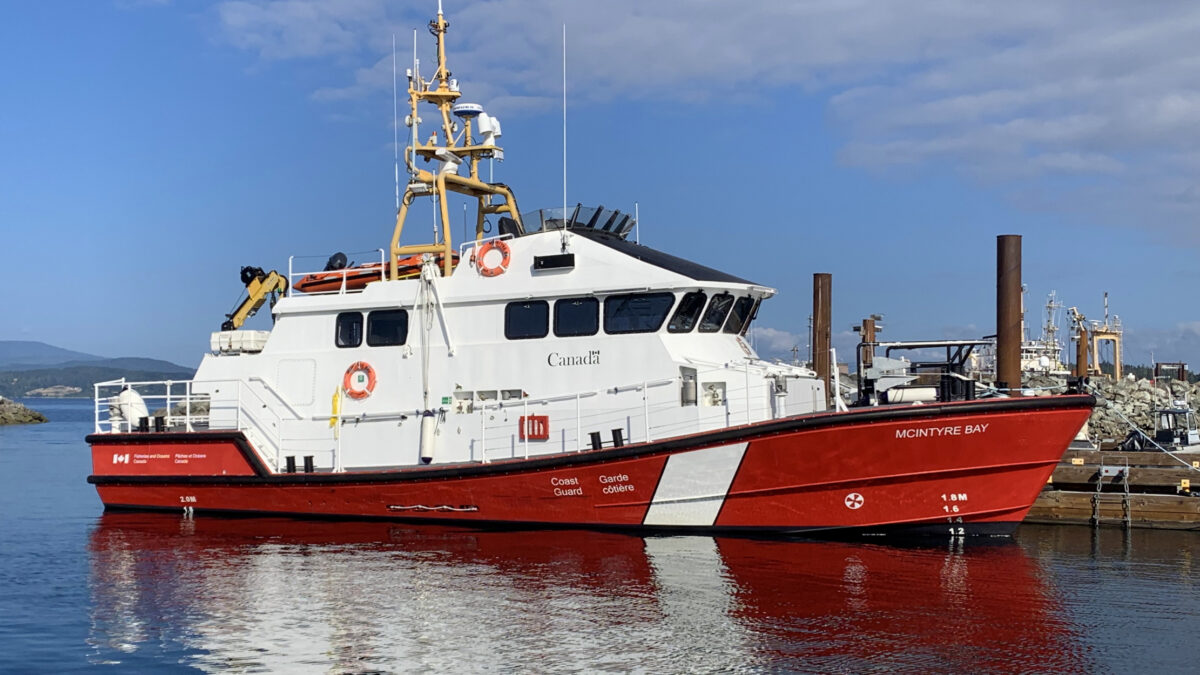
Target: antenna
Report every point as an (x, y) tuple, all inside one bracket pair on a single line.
[(564, 52), (637, 225), (416, 120), (395, 127)]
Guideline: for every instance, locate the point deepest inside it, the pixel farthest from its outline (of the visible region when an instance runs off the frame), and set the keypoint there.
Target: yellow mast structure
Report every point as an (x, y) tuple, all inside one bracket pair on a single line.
[(449, 152)]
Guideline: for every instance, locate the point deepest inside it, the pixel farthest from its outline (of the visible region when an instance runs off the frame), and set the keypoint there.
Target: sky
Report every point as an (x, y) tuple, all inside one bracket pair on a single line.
[(150, 148)]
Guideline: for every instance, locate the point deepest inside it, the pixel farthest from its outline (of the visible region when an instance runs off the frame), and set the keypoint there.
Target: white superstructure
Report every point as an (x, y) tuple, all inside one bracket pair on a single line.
[(653, 347)]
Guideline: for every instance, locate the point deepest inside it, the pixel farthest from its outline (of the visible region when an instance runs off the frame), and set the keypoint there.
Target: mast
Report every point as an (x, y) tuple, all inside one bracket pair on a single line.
[(448, 153)]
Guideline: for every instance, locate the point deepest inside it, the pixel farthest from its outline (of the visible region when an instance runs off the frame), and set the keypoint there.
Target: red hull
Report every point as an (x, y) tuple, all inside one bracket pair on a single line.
[(960, 468)]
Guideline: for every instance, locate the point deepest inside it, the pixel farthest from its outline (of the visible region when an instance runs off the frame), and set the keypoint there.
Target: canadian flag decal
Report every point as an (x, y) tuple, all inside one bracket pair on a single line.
[(120, 459)]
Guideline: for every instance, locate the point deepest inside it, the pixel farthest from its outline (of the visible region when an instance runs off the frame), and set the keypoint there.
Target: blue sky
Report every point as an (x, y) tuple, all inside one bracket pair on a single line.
[(152, 148)]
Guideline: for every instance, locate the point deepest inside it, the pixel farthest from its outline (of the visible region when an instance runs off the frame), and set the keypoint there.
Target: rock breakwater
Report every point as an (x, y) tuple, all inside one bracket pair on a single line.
[(12, 412), (1135, 399)]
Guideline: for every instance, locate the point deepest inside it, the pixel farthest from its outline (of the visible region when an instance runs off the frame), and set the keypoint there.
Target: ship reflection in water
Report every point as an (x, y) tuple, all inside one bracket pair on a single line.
[(273, 594)]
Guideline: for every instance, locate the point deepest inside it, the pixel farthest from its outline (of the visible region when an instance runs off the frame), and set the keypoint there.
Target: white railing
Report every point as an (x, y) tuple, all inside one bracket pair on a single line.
[(185, 408), (246, 410), (294, 276), (472, 243), (642, 423), (261, 412)]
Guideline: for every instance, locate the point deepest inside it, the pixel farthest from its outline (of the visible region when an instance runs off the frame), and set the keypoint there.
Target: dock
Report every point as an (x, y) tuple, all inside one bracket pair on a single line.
[(1124, 489)]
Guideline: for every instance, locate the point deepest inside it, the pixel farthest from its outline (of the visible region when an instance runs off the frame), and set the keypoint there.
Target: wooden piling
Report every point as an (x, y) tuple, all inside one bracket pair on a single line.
[(822, 331), (1008, 311)]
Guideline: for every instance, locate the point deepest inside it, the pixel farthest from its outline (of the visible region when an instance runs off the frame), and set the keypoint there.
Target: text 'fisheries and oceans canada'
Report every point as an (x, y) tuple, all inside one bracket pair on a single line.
[(937, 432)]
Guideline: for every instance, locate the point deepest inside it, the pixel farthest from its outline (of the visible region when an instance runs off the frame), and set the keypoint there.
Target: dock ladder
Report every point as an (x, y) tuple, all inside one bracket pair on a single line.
[(1114, 472)]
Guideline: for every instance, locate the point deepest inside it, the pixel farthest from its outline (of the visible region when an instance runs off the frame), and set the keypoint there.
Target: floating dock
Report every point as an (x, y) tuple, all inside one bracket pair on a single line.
[(1129, 489)]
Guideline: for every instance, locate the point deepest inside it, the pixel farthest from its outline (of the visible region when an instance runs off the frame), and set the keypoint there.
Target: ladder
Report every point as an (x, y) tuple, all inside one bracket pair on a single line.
[(1114, 472)]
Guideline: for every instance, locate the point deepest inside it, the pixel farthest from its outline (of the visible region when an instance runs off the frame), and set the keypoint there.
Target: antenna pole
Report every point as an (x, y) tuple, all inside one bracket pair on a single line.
[(395, 126), (564, 52), (416, 85), (637, 224)]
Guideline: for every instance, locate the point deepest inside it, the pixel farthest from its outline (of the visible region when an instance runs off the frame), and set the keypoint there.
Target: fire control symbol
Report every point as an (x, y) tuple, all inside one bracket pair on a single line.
[(854, 501)]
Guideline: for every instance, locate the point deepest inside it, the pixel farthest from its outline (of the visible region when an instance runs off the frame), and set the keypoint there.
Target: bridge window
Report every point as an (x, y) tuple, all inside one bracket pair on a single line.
[(387, 327), (526, 320), (636, 312), (349, 331), (576, 316), (684, 319), (718, 308), (753, 315), (740, 315)]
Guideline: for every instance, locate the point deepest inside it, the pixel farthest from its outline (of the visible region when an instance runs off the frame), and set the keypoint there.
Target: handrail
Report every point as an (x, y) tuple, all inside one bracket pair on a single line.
[(476, 243), (655, 418), (344, 273), (274, 392)]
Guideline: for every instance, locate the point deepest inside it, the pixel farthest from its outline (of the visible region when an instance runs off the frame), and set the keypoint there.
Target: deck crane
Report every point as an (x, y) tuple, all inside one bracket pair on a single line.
[(259, 285)]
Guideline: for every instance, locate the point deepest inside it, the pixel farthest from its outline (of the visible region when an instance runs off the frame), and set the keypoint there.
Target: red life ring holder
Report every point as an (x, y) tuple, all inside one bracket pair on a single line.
[(353, 383), (505, 257)]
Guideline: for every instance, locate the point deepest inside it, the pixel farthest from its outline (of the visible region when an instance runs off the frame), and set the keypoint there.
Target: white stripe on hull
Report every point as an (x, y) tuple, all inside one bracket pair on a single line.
[(694, 485)]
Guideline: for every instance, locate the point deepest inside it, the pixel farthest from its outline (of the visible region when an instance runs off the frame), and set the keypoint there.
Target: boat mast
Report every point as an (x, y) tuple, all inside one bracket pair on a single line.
[(448, 153)]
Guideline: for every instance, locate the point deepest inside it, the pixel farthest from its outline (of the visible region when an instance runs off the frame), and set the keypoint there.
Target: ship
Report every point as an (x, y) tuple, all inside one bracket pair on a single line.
[(547, 372)]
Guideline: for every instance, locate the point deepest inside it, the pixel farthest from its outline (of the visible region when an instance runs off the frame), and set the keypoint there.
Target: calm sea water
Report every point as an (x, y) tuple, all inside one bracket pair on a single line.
[(132, 592)]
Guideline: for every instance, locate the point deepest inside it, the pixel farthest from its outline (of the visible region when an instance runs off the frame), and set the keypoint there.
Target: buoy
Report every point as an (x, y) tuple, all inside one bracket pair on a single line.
[(428, 435)]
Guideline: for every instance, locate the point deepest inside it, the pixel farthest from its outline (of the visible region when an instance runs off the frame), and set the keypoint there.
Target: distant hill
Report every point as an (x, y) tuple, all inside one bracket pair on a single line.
[(39, 369), (134, 363), (17, 353)]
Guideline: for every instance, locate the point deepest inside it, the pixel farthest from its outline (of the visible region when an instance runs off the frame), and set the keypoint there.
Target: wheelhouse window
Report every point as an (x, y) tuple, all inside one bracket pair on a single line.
[(684, 319), (753, 315), (349, 330), (636, 312), (387, 327), (576, 316), (718, 309), (740, 316), (526, 320)]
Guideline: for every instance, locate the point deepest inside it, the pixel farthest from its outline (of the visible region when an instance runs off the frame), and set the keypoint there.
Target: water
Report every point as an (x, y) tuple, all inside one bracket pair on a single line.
[(138, 592)]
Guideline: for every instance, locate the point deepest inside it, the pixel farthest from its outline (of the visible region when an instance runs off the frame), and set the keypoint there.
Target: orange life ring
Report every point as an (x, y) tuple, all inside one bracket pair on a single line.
[(505, 256), (353, 378)]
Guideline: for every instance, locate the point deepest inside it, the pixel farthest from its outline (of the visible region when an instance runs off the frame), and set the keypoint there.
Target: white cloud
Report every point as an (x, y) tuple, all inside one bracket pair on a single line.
[(773, 342), (1179, 343), (287, 29), (1087, 108)]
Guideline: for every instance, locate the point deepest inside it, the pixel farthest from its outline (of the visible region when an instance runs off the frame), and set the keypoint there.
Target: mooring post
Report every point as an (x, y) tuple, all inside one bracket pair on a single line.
[(1081, 352), (1008, 312), (822, 330)]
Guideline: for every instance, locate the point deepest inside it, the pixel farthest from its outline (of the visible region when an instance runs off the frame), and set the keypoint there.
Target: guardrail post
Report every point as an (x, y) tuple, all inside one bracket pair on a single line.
[(746, 368), (646, 409), (578, 427), (525, 425), (483, 434)]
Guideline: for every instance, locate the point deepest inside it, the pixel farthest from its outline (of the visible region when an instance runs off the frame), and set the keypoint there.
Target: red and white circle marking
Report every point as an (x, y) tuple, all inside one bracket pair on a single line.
[(854, 501)]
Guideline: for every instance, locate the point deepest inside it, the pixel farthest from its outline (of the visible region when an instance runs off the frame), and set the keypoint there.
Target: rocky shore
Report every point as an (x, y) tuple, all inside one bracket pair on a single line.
[(12, 412), (1135, 399)]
